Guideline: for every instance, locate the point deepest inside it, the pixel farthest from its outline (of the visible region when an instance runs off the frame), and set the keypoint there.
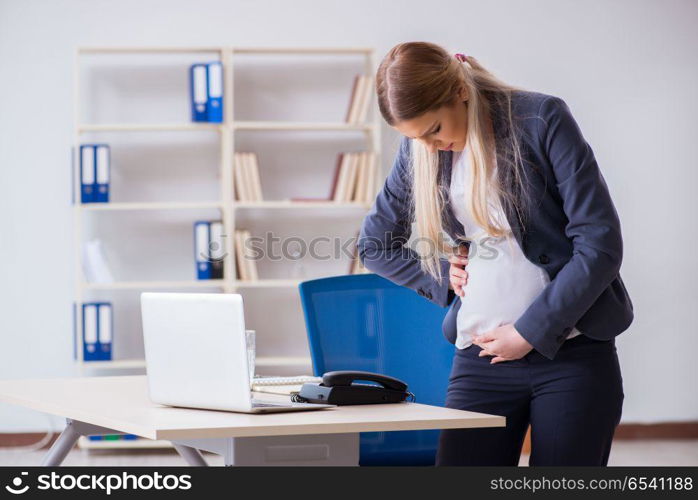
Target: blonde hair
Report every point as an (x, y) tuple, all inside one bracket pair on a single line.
[(418, 77)]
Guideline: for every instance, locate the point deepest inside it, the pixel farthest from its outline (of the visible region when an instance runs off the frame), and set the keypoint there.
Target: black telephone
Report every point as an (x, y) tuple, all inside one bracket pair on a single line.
[(338, 388)]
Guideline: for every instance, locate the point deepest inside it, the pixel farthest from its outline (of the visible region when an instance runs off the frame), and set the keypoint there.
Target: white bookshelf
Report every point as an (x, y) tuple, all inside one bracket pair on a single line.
[(227, 206)]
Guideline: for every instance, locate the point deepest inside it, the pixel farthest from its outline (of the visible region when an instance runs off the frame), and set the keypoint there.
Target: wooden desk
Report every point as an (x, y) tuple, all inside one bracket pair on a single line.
[(120, 404)]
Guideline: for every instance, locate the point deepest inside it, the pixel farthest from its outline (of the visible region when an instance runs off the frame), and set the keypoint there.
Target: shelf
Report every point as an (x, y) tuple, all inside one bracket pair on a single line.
[(299, 204), (311, 126), (114, 364), (140, 363), (266, 283), (140, 443), (218, 127), (234, 50), (149, 205), (144, 285), (302, 50), (132, 50), (273, 204), (135, 285), (148, 127)]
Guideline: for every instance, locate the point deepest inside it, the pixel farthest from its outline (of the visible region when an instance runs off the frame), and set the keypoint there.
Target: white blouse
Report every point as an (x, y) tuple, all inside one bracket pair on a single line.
[(502, 282)]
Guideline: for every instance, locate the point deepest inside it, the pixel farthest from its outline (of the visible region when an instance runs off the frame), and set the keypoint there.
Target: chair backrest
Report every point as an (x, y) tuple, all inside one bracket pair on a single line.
[(366, 322)]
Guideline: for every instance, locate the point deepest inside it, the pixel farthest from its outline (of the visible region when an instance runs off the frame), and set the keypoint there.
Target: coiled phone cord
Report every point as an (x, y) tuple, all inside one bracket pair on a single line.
[(297, 398)]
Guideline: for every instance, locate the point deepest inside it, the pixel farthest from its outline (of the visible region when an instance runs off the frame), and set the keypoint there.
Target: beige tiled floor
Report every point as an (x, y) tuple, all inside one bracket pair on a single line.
[(650, 452), (654, 452)]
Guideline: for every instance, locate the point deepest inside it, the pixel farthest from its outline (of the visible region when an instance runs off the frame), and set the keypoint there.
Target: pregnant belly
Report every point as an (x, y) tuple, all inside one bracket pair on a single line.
[(498, 292)]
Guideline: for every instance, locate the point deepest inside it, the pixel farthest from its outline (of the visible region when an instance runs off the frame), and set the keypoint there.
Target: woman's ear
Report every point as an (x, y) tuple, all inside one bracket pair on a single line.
[(463, 94)]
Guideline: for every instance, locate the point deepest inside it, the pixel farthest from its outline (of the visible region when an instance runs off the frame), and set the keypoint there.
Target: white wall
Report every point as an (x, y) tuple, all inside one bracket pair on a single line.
[(626, 68)]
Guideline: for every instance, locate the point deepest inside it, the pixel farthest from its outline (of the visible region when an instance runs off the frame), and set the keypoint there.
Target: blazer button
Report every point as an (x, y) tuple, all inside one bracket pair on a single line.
[(428, 295), (420, 292), (543, 259)]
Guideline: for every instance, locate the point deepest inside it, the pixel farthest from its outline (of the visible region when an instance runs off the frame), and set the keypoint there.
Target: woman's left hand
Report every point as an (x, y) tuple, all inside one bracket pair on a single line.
[(504, 342)]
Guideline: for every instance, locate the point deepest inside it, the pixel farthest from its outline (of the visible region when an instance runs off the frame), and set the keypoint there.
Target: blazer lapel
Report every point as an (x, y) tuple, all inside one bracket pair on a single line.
[(506, 179)]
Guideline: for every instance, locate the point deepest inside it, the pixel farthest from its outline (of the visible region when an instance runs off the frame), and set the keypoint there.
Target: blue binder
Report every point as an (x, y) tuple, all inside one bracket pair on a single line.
[(87, 173), (198, 83), (75, 331), (89, 332), (201, 250), (97, 331), (215, 92), (72, 175), (105, 330), (216, 247), (102, 172)]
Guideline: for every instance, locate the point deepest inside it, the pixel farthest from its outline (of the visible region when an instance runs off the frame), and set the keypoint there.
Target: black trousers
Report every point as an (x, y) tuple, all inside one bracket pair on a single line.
[(573, 404)]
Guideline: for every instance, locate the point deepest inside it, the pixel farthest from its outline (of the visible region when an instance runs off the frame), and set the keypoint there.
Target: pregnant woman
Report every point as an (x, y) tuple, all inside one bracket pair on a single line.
[(501, 182)]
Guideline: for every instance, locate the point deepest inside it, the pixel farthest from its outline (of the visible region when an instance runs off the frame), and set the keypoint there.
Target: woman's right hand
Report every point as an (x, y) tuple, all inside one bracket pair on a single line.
[(457, 274)]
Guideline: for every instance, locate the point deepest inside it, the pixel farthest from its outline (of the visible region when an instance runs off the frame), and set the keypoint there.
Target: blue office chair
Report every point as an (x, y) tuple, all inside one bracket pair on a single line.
[(365, 322)]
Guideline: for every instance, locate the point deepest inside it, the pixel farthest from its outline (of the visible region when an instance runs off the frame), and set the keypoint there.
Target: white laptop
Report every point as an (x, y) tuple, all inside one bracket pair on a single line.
[(196, 355)]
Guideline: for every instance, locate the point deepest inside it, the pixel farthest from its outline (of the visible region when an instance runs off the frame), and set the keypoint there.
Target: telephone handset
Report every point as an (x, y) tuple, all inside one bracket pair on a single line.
[(340, 388), (346, 377)]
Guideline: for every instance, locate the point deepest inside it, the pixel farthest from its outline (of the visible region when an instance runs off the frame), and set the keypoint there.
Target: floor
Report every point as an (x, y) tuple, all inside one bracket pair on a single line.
[(650, 452)]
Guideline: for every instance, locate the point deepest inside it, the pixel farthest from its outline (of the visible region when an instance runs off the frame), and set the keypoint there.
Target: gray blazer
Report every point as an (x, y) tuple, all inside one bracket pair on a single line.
[(574, 232)]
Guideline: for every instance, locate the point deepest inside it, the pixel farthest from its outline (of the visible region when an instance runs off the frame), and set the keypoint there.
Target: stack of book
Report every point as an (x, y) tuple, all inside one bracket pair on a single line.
[(246, 265), (248, 186), (354, 179), (361, 95), (356, 266), (282, 385), (114, 437)]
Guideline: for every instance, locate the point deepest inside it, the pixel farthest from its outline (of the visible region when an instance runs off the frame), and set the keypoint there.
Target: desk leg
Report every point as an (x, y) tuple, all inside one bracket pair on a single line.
[(74, 429), (70, 435), (191, 455), (62, 446)]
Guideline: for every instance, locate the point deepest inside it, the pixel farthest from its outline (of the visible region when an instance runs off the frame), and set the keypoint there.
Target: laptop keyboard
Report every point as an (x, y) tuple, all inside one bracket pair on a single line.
[(296, 380), (258, 405)]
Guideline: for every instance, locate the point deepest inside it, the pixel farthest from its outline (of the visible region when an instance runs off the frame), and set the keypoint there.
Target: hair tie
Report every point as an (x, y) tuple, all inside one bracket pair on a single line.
[(461, 57)]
